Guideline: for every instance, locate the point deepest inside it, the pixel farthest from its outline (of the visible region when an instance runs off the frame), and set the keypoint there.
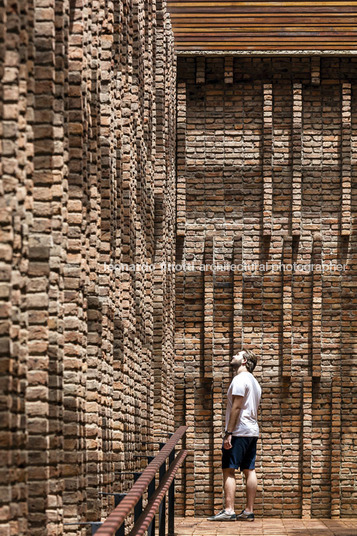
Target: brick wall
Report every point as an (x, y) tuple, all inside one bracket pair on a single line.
[(87, 164), (267, 173)]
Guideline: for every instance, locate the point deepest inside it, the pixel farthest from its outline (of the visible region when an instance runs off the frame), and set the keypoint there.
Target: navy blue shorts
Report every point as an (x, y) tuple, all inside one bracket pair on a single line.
[(241, 455)]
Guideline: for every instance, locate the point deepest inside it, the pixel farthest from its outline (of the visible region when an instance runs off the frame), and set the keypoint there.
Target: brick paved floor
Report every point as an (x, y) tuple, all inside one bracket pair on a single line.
[(190, 526)]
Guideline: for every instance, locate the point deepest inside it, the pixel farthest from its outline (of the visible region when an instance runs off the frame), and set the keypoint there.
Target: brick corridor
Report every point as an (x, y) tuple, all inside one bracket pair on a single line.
[(190, 526)]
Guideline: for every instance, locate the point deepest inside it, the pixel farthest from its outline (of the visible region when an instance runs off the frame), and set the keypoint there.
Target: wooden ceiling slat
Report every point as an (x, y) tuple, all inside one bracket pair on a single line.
[(308, 30), (329, 16), (201, 24), (264, 39), (289, 45), (256, 30), (257, 49), (251, 3), (257, 45), (235, 9), (272, 3), (264, 25)]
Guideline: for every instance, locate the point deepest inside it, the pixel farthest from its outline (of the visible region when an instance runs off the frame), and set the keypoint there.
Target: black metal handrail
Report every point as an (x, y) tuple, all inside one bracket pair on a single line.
[(115, 521)]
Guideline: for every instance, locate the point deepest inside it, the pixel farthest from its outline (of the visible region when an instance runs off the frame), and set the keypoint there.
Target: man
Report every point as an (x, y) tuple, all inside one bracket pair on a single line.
[(241, 435)]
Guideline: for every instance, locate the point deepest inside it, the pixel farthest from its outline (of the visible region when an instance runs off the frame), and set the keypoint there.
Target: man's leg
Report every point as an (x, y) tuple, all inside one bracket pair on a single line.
[(251, 488), (229, 484)]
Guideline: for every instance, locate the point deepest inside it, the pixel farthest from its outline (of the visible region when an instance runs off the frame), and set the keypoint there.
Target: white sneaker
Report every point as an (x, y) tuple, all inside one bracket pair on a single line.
[(222, 516)]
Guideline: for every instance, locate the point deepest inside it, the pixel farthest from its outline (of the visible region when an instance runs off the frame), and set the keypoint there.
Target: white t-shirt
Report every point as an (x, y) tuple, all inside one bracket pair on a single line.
[(244, 384)]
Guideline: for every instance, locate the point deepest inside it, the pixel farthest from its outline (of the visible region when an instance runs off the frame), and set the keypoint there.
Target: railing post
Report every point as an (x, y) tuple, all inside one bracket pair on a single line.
[(95, 527), (139, 506), (171, 502), (151, 490), (118, 497), (162, 508)]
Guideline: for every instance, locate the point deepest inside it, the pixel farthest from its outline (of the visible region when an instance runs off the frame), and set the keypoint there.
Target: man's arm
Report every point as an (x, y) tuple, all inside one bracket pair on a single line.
[(237, 404)]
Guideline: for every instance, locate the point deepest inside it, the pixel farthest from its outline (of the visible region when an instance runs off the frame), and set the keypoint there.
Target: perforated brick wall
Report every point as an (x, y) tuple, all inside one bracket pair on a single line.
[(267, 174), (88, 180)]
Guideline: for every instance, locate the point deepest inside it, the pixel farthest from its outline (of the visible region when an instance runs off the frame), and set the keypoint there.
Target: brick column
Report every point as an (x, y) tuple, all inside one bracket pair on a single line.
[(335, 474), (316, 307), (267, 158), (181, 158), (296, 159), (346, 155), (306, 431), (287, 305)]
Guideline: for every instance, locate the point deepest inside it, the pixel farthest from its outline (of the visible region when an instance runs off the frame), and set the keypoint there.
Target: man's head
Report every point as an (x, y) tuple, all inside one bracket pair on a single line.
[(244, 360)]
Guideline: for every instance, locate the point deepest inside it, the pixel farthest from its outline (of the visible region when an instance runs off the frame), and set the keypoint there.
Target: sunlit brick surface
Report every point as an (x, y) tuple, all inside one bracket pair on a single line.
[(267, 527)]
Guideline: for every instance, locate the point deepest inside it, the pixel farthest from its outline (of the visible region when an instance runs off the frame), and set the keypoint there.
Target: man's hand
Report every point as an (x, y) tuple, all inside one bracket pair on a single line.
[(227, 443)]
